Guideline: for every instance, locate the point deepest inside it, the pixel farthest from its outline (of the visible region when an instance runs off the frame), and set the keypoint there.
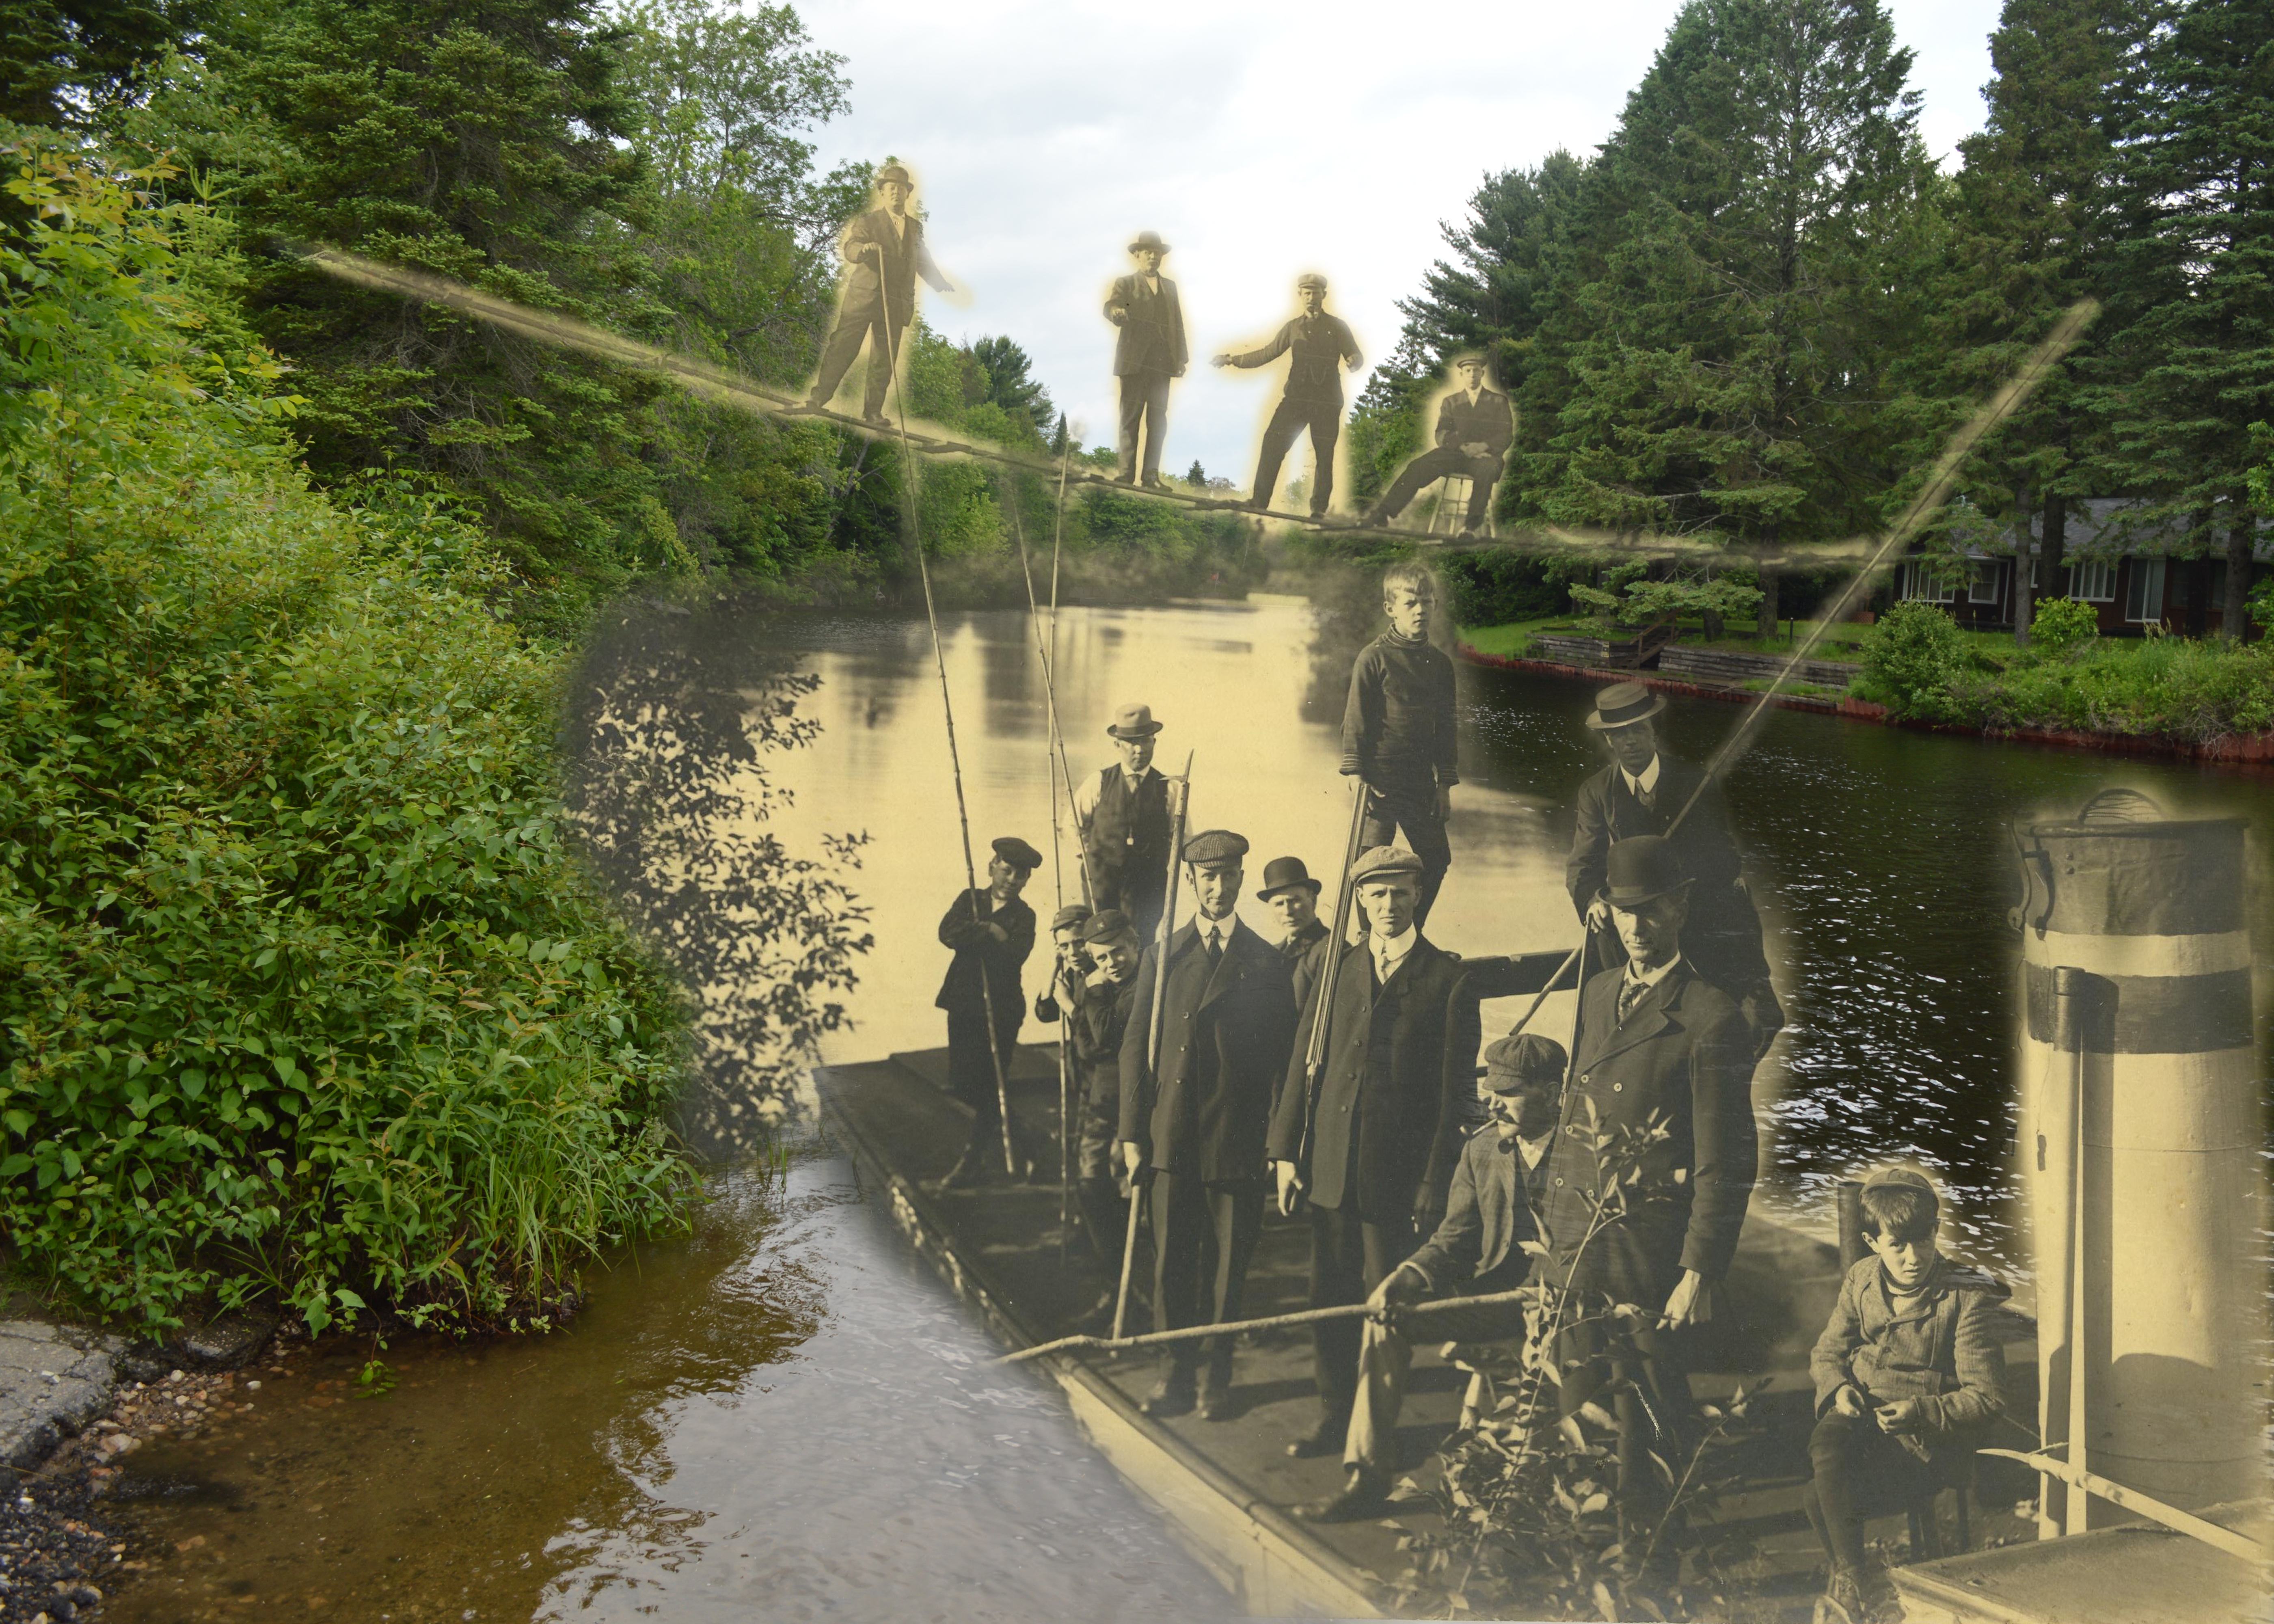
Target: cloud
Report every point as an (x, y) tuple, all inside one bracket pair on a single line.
[(1260, 141)]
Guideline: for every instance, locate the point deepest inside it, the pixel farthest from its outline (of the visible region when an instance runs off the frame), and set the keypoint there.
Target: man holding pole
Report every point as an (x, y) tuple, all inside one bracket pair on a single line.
[(1122, 814), (991, 932), (884, 253), (1374, 1139), (1207, 1044)]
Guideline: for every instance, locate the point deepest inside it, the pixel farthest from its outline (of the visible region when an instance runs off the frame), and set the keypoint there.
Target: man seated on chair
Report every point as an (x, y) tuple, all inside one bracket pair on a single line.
[(1907, 1375), (1476, 1249), (1474, 430)]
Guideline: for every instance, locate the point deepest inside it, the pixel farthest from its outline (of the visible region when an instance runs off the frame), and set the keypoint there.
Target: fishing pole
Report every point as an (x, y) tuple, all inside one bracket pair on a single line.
[(1180, 792), (1322, 1011)]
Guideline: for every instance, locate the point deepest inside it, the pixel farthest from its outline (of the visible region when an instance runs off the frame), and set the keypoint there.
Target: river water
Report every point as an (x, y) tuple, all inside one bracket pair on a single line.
[(780, 1417)]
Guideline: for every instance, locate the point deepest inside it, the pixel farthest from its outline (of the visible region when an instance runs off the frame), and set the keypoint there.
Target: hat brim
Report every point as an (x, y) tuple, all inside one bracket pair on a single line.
[(1657, 707), (1619, 897), (1313, 886), (1155, 247), (1143, 731)]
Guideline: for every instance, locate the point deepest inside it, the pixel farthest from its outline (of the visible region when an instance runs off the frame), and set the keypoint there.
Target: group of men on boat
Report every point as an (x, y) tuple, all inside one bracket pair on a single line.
[(1338, 1076)]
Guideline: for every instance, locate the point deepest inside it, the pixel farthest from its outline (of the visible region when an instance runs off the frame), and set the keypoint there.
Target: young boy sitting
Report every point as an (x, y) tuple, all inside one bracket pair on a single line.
[(1907, 1378)]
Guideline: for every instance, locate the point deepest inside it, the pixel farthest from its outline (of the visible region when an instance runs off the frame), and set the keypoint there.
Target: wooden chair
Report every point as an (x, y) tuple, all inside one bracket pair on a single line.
[(1452, 505), (1927, 1524)]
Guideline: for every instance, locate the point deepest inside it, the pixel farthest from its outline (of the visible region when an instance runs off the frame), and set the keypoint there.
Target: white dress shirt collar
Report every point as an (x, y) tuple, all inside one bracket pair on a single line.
[(1651, 978), (1645, 781), (1389, 954)]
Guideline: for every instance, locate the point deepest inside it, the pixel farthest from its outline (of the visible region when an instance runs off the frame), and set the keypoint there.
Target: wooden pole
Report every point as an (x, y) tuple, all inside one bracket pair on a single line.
[(1179, 791), (1315, 1053), (1275, 1322)]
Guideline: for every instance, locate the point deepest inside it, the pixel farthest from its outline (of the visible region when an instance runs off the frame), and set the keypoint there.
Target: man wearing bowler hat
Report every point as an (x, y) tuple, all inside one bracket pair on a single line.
[(1657, 1044), (1320, 345), (1292, 895), (883, 252), (991, 932), (1477, 1251), (1124, 817), (1641, 793), (1147, 354), (1375, 1148), (1194, 1118)]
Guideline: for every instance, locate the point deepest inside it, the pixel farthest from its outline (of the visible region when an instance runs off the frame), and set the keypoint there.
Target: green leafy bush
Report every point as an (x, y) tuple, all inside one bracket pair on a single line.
[(1913, 662), (300, 989), (1492, 588), (2061, 624)]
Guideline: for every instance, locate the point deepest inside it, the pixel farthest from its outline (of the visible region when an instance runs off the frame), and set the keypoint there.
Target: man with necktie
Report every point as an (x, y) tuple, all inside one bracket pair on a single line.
[(1147, 354), (884, 253), (1193, 1117), (1641, 793), (1375, 1148), (1123, 815), (1475, 427), (1657, 1044), (1320, 345)]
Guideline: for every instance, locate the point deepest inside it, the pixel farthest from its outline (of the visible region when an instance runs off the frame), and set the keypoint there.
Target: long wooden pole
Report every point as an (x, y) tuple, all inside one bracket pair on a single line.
[(1330, 972), (947, 705), (1274, 1322), (1179, 791)]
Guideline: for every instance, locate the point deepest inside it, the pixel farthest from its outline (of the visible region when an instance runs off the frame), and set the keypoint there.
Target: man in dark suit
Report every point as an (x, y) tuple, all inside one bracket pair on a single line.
[(885, 251), (1657, 1044), (1291, 893), (991, 932), (1641, 793), (1150, 352), (1375, 1147), (1122, 814), (1478, 1250), (1475, 427), (1320, 344), (1195, 1116)]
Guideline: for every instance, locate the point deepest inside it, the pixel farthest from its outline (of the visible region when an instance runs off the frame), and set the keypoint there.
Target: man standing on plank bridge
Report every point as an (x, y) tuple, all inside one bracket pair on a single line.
[(885, 251), (1319, 344)]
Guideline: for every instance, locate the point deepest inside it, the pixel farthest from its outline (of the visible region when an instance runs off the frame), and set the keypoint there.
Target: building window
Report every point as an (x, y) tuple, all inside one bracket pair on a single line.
[(1922, 585), (2143, 594), (1982, 586), (2093, 581)]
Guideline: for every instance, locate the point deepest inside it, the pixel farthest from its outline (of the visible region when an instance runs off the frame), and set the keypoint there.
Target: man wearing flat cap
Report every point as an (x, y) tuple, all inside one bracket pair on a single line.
[(1321, 345), (1374, 1145), (1147, 354), (1657, 1043), (883, 252), (1475, 427), (1642, 793), (1477, 1251), (1291, 894), (1122, 814), (991, 932), (1194, 1116)]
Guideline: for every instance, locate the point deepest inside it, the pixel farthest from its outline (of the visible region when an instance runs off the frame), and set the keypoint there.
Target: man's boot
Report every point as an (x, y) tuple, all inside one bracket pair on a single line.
[(1325, 1438), (1175, 1394), (1215, 1386), (1364, 1495)]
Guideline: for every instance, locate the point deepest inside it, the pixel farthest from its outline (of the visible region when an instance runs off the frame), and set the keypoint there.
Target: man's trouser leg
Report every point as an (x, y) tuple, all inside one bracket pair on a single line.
[(1385, 1359), (1349, 1257), (1157, 421), (1132, 419), (971, 1075), (1853, 1469), (1429, 465), (1144, 415), (1235, 1224), (1326, 424), (1653, 1407), (1143, 895), (1097, 1189), (1184, 1241), (1484, 475), (1288, 420), (1412, 808), (881, 355), (855, 323)]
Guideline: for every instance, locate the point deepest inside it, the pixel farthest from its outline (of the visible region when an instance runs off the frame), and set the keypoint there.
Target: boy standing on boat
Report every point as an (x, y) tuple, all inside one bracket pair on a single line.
[(1096, 1020), (1070, 967), (1375, 1149), (1641, 793), (1122, 814), (1477, 1251), (1399, 730), (991, 932), (1193, 1117), (1907, 1375)]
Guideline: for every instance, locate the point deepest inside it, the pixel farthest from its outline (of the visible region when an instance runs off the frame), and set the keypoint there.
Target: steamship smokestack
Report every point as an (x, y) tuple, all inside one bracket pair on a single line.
[(2141, 1145)]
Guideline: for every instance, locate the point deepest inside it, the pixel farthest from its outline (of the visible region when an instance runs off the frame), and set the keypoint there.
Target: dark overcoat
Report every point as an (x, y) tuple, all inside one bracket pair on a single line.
[(964, 928), (904, 257), (1223, 1048), (1684, 1054), (1722, 936), (1152, 337), (1479, 1244), (1386, 1127)]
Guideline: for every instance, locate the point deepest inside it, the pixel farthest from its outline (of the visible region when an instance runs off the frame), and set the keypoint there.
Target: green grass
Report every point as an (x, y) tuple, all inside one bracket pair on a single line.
[(1513, 640)]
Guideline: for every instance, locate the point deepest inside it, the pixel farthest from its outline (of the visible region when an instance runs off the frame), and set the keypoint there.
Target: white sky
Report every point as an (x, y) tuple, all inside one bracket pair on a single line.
[(1260, 141)]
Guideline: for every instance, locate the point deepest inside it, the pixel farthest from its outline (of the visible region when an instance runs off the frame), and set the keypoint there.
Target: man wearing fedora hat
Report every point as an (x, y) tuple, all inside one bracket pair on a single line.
[(1477, 1251), (1291, 893), (1374, 1148), (1641, 793), (1147, 354), (1657, 1047), (990, 932), (1122, 814), (1320, 345), (884, 253), (1193, 1117)]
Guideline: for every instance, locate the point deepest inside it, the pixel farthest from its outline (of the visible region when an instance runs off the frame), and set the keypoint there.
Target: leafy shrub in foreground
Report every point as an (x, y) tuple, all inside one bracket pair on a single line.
[(300, 989), (1914, 660), (2060, 624)]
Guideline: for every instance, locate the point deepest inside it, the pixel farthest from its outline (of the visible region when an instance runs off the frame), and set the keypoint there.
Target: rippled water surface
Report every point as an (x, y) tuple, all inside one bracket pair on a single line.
[(781, 1418)]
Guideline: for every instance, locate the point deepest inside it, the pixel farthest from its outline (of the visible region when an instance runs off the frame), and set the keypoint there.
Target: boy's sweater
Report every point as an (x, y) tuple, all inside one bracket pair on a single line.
[(1397, 728), (1942, 1349)]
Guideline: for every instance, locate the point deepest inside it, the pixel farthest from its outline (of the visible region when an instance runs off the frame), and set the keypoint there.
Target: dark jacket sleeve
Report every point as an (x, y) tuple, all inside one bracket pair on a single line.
[(1843, 1333), (1981, 1360), (1271, 352), (1362, 714), (1591, 841), (961, 928), (1452, 1252), (1182, 356), (1116, 301), (1136, 1077), (1022, 944), (1448, 427), (1500, 432), (1726, 1143), (1447, 705), (1285, 1142), (1463, 1036), (1345, 341)]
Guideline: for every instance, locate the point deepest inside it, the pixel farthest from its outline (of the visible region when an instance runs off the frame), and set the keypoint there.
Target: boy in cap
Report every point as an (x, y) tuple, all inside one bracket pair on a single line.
[(884, 253), (1399, 730), (1908, 1376), (1314, 396), (1122, 814), (1374, 1149), (1148, 352), (1195, 1118), (991, 932), (1069, 964), (1476, 1251), (1099, 1021)]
